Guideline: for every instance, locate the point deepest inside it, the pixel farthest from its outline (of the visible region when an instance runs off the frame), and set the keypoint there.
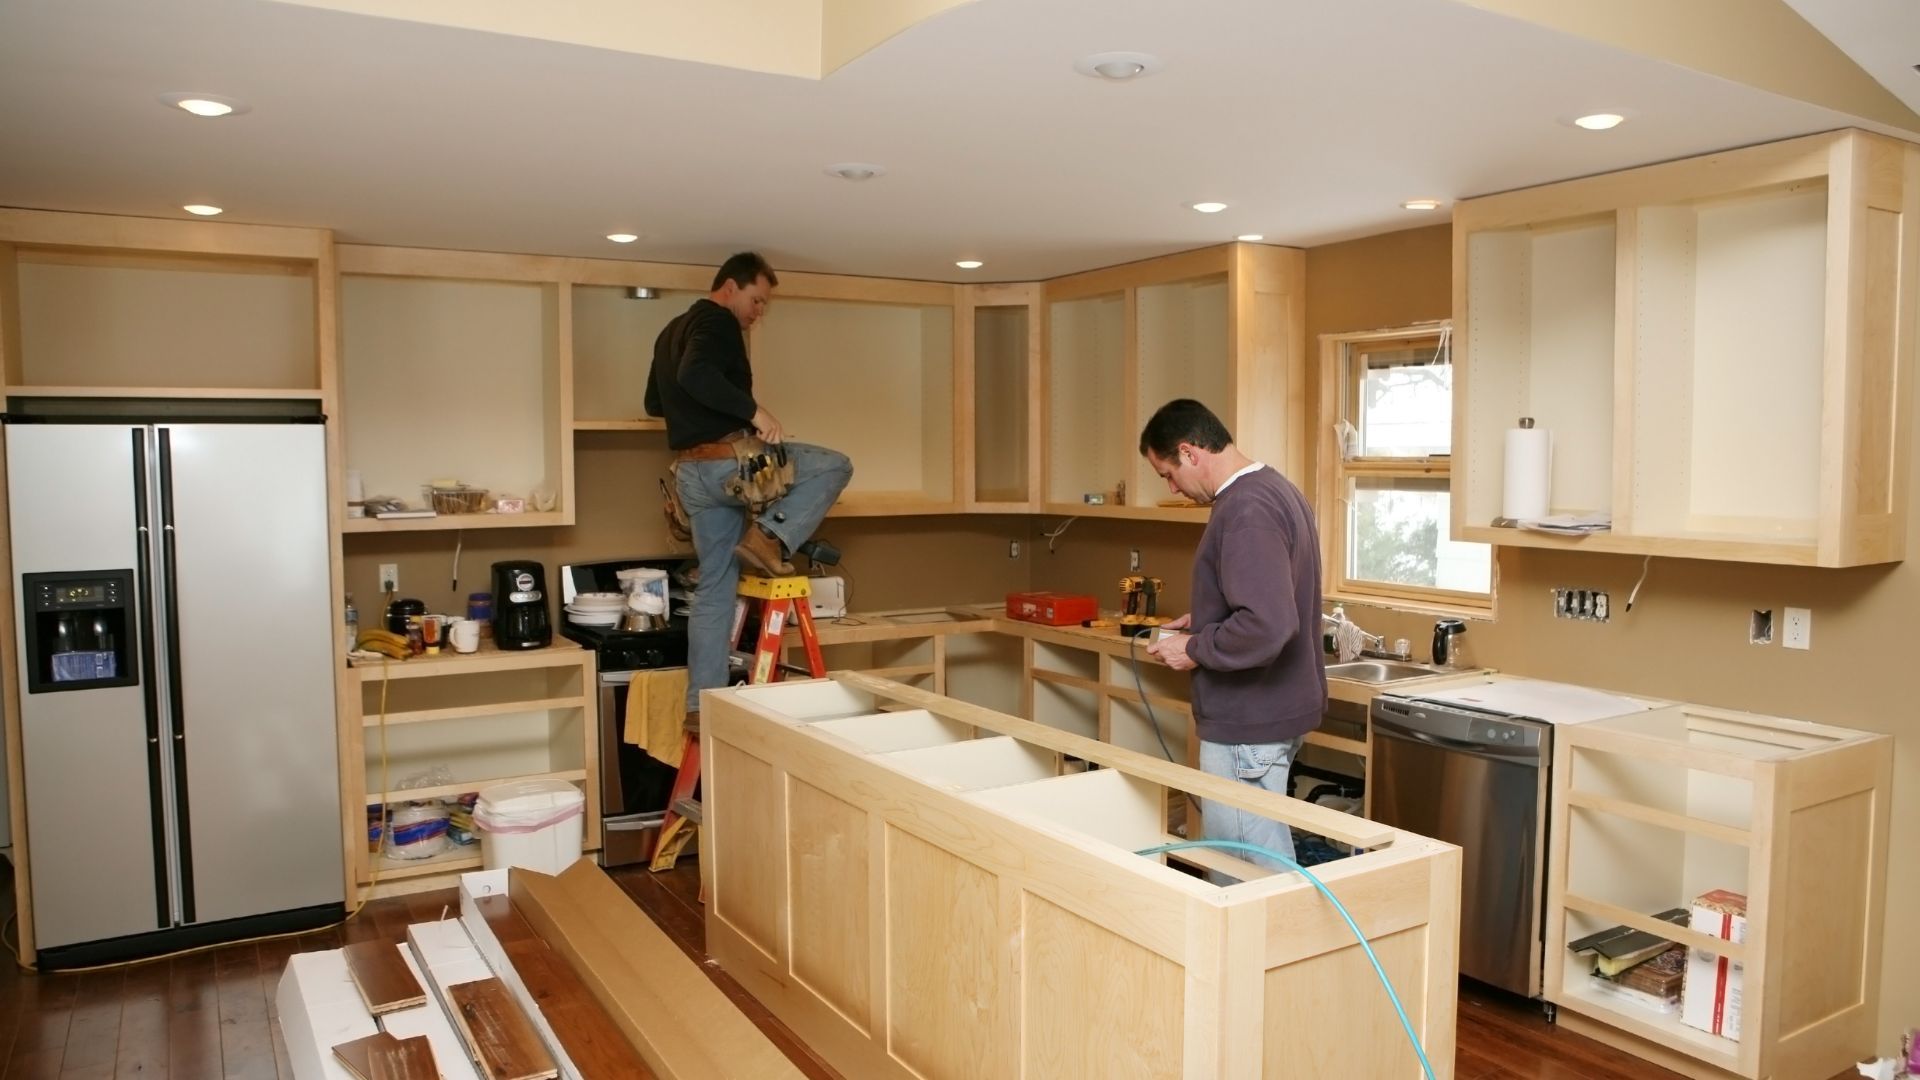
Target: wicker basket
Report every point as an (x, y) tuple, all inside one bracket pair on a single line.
[(458, 500)]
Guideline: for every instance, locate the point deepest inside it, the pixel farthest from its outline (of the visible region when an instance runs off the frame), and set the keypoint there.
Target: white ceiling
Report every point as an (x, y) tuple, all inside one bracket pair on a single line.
[(1882, 36), (1312, 119)]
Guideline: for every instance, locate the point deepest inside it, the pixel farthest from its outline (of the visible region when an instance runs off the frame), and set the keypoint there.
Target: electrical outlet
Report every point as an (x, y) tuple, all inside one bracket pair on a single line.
[(1588, 605), (1760, 627), (1133, 560), (1013, 549), (389, 577), (1796, 632)]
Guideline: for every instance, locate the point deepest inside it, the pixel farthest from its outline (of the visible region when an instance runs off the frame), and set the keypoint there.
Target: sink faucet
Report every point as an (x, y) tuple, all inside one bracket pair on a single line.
[(1374, 646)]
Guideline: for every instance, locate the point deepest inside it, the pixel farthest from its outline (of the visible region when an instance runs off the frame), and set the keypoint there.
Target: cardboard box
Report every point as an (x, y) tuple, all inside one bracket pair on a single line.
[(1710, 996), (1053, 609)]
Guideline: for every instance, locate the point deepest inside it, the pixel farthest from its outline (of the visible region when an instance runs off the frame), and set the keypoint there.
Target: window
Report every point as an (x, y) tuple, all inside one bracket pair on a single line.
[(1387, 412)]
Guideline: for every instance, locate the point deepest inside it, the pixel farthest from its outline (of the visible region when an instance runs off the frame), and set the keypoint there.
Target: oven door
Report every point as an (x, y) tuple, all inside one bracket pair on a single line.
[(634, 786)]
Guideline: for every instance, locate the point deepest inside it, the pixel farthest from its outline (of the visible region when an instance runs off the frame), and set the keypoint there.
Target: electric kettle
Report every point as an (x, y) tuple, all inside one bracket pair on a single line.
[(1448, 648)]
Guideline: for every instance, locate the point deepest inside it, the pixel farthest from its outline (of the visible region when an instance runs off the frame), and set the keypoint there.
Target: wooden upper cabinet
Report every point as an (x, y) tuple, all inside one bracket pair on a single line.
[(98, 306), (999, 395), (1223, 325), (1721, 348)]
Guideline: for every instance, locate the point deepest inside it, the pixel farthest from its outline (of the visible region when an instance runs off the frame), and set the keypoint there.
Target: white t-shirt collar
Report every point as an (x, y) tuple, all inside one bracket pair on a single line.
[(1256, 466)]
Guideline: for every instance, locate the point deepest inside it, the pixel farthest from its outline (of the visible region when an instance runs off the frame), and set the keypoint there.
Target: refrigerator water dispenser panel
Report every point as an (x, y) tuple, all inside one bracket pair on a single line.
[(80, 630)]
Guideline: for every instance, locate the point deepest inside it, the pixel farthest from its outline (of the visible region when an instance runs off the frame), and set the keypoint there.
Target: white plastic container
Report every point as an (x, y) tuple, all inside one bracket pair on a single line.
[(536, 824)]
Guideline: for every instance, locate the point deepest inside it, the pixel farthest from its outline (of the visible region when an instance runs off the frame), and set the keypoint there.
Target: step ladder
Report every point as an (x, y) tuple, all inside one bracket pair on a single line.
[(779, 600)]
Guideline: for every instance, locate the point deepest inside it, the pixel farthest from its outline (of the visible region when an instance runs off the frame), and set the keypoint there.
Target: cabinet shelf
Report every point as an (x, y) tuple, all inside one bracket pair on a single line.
[(249, 393), (457, 521), (499, 708), (454, 859), (642, 424), (1197, 514), (462, 787)]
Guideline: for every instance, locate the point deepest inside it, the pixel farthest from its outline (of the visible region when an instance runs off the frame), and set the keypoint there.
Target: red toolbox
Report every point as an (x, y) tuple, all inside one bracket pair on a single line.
[(1054, 609)]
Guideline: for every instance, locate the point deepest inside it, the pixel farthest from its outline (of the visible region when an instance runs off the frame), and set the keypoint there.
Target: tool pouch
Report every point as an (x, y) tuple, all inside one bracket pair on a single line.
[(679, 526), (765, 473)]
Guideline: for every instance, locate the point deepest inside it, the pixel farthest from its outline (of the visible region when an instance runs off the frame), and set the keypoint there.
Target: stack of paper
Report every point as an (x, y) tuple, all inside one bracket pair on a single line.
[(1570, 524)]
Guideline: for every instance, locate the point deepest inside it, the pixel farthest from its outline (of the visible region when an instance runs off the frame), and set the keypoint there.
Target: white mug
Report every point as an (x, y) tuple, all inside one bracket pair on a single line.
[(465, 636)]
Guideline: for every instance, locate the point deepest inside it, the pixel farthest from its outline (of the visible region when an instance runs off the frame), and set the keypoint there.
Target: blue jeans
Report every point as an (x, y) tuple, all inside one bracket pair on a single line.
[(719, 520), (1263, 765)]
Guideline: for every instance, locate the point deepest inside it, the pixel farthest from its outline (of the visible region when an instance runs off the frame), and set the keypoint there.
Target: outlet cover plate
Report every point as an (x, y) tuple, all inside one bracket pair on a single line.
[(1796, 630)]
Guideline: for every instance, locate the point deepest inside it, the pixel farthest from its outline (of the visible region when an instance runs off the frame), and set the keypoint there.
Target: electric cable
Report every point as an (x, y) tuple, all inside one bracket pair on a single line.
[(1645, 568), (1133, 660), (1055, 534), (1236, 845)]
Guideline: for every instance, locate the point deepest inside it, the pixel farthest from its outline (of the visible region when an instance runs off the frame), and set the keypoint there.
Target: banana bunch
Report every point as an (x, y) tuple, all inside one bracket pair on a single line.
[(385, 642)]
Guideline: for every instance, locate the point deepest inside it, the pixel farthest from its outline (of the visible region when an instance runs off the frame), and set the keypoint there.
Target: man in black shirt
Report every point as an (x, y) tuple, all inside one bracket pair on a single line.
[(702, 383)]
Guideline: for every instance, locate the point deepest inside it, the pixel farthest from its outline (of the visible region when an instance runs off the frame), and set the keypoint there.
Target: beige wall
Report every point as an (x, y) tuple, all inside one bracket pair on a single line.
[(952, 560)]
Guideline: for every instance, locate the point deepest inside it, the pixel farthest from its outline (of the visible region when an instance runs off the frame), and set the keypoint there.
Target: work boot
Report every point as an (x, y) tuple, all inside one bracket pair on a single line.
[(760, 553)]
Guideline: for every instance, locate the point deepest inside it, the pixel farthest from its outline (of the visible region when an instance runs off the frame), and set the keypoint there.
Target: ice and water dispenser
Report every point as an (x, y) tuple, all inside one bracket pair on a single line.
[(79, 630)]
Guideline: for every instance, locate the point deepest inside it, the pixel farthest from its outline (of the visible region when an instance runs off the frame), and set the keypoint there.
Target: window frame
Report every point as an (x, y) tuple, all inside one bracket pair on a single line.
[(1342, 367)]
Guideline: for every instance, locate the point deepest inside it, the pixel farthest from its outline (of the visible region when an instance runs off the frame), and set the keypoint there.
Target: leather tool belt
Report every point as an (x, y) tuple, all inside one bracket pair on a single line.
[(765, 473)]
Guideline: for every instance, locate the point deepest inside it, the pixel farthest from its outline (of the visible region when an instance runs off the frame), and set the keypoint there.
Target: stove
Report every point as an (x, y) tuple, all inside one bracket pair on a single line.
[(634, 787)]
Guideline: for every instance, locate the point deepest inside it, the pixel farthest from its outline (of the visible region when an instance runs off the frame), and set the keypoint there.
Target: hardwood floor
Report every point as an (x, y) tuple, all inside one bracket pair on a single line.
[(209, 1016)]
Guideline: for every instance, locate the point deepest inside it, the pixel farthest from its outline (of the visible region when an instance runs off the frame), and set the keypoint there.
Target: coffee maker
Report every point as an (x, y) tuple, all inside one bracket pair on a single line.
[(520, 618)]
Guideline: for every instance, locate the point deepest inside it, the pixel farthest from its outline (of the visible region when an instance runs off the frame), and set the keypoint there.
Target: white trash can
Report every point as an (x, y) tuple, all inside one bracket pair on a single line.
[(536, 824)]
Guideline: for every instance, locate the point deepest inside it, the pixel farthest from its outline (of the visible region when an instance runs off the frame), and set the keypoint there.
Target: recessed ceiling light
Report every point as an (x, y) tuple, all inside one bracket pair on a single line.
[(1209, 207), (1598, 121), (1249, 238), (1117, 66), (622, 237), (969, 264), (202, 209), (205, 105), (1420, 204), (855, 171)]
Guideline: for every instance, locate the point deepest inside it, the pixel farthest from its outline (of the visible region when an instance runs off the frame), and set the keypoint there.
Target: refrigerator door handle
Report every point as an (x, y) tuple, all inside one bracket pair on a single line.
[(175, 698), (149, 683)]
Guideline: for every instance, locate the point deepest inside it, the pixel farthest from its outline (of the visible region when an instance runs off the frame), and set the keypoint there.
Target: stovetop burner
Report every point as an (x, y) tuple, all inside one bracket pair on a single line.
[(626, 650)]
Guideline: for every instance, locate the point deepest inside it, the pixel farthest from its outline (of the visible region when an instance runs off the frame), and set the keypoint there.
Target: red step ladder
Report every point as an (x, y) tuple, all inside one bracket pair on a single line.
[(780, 600)]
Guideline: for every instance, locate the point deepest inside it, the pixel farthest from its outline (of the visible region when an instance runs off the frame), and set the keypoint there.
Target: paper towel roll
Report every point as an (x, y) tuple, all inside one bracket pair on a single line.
[(355, 492), (1529, 465)]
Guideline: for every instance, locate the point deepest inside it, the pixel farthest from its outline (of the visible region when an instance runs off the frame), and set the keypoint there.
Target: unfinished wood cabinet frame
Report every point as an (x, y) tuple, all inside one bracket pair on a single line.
[(1026, 295), (1871, 314), (561, 664), (1812, 801), (1266, 365), (938, 911)]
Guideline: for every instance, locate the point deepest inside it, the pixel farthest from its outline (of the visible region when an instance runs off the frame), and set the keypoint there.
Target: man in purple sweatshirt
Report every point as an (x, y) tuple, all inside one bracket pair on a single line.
[(1252, 640)]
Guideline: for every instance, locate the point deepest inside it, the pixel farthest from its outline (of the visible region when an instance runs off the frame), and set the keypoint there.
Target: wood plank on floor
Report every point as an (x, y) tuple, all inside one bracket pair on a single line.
[(383, 979), (595, 1045), (502, 1041)]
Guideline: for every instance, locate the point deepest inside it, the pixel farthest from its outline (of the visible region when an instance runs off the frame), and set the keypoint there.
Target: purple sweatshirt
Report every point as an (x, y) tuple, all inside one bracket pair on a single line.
[(1256, 615)]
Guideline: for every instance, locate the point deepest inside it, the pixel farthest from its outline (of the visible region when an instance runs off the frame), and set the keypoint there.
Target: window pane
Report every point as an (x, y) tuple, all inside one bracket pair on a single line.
[(1397, 533), (1406, 403)]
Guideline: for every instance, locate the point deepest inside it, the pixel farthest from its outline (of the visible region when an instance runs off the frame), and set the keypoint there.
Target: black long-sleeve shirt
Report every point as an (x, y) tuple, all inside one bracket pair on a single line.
[(700, 380)]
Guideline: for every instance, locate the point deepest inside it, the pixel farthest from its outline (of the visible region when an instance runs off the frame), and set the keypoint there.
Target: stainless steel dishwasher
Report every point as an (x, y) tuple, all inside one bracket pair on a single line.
[(1477, 780)]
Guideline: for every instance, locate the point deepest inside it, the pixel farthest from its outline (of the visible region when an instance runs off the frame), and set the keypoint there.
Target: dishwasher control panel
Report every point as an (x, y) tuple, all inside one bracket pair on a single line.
[(1502, 733)]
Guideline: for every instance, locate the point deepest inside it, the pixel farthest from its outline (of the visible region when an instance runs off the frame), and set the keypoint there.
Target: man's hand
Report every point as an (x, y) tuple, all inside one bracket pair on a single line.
[(767, 426), (1172, 651), (1180, 623)]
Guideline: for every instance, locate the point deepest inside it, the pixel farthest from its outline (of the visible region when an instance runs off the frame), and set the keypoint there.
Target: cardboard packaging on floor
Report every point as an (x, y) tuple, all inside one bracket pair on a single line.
[(1710, 997), (682, 1024)]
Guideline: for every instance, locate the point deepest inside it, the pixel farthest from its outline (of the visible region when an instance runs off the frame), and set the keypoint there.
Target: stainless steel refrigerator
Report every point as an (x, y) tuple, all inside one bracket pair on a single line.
[(175, 619)]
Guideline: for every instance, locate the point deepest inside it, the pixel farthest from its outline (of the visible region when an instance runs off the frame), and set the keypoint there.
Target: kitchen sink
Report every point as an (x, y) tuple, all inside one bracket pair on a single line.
[(1380, 671)]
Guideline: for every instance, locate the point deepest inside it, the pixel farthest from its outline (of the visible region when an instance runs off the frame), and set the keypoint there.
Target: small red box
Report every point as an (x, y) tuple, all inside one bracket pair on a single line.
[(1053, 609)]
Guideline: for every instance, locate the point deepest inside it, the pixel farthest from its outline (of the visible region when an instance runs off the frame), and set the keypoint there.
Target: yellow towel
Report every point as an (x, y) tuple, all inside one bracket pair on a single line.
[(657, 711)]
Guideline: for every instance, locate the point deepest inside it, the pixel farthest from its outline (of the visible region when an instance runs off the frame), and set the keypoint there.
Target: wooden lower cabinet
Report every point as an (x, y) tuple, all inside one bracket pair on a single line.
[(925, 888)]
